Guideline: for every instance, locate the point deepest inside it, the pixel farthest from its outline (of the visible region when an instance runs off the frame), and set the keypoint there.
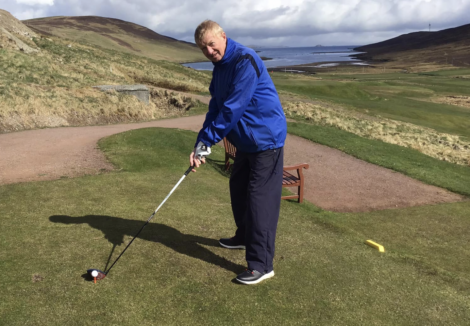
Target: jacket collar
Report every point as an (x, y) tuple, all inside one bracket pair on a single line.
[(229, 51)]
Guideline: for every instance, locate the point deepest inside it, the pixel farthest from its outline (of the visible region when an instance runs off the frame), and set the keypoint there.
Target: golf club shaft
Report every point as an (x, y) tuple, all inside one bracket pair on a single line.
[(151, 216), (110, 255)]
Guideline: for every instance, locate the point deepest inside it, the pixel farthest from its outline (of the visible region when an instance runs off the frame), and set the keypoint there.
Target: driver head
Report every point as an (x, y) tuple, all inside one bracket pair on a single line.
[(96, 273)]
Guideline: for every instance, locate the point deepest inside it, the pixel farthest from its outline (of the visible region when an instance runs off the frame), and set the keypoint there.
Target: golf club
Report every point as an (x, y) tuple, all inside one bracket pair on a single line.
[(110, 255), (97, 274)]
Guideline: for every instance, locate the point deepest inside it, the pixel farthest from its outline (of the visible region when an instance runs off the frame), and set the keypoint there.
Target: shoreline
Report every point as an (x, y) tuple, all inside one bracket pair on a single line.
[(183, 63), (312, 64), (315, 67)]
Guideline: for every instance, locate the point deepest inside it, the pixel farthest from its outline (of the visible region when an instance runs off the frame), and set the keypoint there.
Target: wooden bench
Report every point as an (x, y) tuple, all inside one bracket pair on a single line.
[(288, 179)]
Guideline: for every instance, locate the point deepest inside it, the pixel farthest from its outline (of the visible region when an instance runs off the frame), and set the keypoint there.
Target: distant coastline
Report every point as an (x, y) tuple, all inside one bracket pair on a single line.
[(313, 68), (189, 62), (287, 57)]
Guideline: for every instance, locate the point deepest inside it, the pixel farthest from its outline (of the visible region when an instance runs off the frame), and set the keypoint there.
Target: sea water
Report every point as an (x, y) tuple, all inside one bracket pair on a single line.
[(287, 56)]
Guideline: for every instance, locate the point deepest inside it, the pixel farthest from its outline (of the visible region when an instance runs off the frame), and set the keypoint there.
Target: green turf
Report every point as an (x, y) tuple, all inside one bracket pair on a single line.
[(176, 274), (398, 96)]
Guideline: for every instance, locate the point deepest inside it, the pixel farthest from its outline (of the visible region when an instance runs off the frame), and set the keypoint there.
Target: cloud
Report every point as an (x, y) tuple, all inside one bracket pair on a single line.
[(267, 22), (35, 2)]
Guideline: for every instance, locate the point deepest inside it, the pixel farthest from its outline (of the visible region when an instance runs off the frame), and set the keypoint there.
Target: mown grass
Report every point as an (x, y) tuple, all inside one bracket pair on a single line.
[(175, 273), (397, 96)]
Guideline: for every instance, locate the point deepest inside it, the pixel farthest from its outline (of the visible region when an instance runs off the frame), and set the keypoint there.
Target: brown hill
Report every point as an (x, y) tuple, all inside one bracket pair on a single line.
[(117, 35), (14, 34), (449, 46)]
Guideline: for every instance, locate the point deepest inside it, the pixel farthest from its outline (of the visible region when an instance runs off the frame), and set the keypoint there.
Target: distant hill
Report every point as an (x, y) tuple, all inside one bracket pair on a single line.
[(451, 46), (48, 81), (116, 34)]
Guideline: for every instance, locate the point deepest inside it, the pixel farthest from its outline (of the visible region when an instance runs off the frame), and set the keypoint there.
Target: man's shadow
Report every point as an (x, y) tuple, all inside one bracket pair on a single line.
[(116, 228)]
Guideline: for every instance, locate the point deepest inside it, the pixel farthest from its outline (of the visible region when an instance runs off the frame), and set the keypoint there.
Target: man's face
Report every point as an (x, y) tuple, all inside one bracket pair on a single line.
[(213, 46)]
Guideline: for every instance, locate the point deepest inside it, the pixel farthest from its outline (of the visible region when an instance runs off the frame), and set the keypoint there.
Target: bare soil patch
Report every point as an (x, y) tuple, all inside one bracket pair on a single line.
[(37, 278), (335, 180)]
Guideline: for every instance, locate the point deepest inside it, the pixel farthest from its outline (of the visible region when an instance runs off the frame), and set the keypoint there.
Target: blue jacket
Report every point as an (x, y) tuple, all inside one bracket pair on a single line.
[(245, 106)]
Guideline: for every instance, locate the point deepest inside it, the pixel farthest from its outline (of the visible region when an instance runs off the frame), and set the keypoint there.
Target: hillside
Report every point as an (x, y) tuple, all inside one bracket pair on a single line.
[(15, 35), (119, 35), (447, 47), (51, 84)]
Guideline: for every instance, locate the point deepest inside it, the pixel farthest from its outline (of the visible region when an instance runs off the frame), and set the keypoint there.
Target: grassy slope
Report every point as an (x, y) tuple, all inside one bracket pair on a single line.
[(83, 65), (176, 274), (449, 46), (57, 84), (403, 97), (117, 35)]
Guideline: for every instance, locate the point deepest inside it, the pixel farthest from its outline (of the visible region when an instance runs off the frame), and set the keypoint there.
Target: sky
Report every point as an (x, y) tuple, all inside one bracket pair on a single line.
[(267, 22)]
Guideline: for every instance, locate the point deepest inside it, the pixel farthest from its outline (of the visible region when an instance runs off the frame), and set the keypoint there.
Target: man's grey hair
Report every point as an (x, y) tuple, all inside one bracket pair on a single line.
[(204, 27)]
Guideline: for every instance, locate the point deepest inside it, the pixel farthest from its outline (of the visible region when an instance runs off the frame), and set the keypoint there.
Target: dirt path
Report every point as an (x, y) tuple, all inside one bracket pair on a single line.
[(335, 181)]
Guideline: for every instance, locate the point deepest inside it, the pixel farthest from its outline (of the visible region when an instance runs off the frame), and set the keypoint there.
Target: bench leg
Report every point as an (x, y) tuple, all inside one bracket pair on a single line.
[(227, 162)]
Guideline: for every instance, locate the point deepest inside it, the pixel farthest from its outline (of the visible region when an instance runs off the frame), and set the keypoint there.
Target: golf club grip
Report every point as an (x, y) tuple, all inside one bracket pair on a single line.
[(189, 170)]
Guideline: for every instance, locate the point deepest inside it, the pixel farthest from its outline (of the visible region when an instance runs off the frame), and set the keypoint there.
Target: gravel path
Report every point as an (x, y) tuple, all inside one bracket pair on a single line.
[(335, 181)]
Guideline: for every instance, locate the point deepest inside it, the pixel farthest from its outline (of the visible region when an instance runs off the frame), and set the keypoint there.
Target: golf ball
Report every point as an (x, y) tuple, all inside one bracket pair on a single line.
[(94, 273)]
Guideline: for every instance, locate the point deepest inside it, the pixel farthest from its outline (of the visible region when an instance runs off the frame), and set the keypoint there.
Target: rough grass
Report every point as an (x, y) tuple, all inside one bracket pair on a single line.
[(118, 36), (445, 147), (463, 101), (175, 273), (54, 87)]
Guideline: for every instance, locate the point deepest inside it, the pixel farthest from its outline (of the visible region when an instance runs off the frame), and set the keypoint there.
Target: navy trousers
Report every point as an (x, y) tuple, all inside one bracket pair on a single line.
[(255, 191)]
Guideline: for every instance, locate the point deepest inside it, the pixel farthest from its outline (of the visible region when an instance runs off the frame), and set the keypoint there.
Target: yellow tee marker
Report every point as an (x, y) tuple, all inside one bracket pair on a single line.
[(375, 245)]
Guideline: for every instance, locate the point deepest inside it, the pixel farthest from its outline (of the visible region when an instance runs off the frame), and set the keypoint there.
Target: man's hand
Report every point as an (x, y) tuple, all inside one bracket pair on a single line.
[(199, 154)]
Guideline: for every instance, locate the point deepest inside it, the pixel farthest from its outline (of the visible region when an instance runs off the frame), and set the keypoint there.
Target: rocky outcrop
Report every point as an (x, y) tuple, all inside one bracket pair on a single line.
[(139, 91)]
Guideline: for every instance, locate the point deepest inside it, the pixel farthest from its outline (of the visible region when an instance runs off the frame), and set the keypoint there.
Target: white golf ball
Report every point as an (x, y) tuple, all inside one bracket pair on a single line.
[(94, 273)]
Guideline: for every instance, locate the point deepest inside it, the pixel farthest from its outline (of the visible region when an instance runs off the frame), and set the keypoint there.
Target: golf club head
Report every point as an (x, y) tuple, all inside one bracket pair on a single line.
[(101, 275)]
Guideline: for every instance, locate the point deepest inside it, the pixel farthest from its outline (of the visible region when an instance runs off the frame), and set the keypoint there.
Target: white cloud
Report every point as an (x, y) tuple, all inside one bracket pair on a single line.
[(267, 22), (30, 13), (35, 2)]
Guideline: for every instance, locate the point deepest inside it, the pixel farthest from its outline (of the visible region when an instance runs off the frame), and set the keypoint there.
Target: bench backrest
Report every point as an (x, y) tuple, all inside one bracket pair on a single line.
[(230, 149)]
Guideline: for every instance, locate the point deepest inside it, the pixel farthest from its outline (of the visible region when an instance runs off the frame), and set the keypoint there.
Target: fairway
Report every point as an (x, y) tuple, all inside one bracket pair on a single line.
[(397, 96), (176, 274)]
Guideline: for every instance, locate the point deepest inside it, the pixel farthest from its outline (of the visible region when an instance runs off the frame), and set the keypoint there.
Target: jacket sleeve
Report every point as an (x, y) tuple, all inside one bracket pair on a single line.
[(210, 115), (241, 92)]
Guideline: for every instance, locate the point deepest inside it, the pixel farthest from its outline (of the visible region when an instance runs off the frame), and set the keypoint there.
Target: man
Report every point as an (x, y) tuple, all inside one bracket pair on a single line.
[(245, 108)]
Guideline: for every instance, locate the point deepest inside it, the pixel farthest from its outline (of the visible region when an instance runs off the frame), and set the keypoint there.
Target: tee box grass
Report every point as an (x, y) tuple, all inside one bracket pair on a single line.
[(176, 274)]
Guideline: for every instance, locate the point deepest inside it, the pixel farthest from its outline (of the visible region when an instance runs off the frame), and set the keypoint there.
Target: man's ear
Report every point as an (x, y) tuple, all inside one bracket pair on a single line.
[(224, 36)]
